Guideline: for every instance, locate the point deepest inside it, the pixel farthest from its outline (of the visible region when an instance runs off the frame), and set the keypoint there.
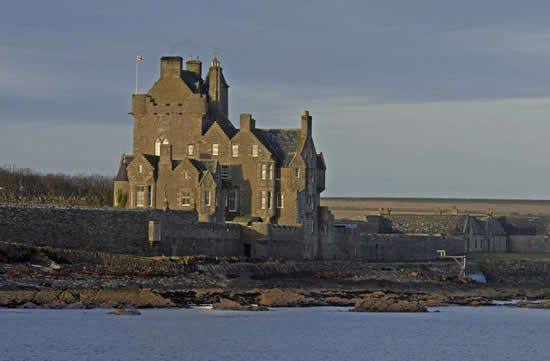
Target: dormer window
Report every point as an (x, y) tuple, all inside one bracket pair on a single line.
[(215, 149)]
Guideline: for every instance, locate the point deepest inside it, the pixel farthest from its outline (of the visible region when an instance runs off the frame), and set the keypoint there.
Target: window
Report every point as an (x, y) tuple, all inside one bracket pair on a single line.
[(271, 171), (140, 168), (157, 147), (206, 198), (254, 150), (165, 142), (149, 196), (226, 174), (280, 200), (264, 172), (262, 200), (232, 200), (215, 149), (297, 172), (186, 175), (140, 196), (235, 150), (190, 149), (265, 200), (185, 198)]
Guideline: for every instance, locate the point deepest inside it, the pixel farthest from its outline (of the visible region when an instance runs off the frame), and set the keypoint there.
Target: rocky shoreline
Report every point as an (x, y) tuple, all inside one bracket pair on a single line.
[(36, 277)]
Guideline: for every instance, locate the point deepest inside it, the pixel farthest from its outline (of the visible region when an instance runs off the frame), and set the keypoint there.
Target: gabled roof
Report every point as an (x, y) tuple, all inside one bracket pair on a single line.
[(122, 174), (192, 80), (283, 143), (473, 226), (225, 125), (494, 227), (152, 159)]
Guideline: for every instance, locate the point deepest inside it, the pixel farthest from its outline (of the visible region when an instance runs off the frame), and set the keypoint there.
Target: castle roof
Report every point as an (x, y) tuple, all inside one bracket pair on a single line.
[(122, 174), (283, 143)]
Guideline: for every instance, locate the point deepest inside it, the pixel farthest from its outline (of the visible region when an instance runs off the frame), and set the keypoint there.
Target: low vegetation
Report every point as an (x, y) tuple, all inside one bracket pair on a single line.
[(25, 186)]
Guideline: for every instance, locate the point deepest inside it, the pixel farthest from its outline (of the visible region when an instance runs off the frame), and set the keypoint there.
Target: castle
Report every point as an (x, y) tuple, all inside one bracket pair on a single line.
[(187, 155)]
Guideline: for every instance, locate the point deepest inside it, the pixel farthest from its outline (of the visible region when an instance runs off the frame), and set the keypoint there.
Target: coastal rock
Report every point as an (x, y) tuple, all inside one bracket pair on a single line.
[(141, 298), (28, 306), (226, 304), (15, 298), (125, 312), (544, 304), (277, 297), (388, 304)]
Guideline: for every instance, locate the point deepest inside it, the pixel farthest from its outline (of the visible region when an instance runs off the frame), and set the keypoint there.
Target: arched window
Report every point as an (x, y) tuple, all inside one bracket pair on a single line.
[(165, 141), (157, 146)]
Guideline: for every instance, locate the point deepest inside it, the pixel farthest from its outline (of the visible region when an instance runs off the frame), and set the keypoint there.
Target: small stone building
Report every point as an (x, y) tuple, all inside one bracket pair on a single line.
[(188, 155)]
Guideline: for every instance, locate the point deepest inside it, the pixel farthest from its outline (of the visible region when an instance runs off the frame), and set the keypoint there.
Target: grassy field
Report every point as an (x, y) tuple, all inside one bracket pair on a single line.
[(357, 208)]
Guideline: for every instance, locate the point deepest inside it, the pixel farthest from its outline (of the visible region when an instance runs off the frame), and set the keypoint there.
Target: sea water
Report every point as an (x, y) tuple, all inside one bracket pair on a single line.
[(330, 333)]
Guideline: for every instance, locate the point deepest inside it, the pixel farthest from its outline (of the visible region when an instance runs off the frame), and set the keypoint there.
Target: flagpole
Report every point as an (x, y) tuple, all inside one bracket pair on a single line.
[(137, 74)]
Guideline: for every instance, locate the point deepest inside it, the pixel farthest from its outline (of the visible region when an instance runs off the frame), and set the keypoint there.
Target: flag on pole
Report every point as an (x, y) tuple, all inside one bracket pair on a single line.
[(140, 58)]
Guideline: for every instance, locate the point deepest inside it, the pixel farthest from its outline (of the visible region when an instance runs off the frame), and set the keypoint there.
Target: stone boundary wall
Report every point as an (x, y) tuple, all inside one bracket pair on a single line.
[(285, 241), (117, 230), (407, 247), (213, 239), (529, 244)]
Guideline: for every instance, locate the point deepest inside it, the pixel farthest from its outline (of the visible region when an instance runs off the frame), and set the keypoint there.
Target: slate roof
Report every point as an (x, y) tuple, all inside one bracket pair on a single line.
[(321, 161), (192, 80), (152, 159), (225, 124), (122, 174), (473, 226), (494, 227), (283, 143)]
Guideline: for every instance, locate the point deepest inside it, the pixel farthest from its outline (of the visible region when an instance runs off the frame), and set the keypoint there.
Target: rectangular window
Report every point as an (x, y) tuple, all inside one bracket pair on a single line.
[(254, 150), (185, 198), (269, 199), (297, 172), (280, 200), (186, 175), (190, 149), (215, 149), (271, 171), (264, 171), (226, 174), (235, 150), (140, 196), (206, 198), (232, 200), (263, 199), (140, 168), (150, 196)]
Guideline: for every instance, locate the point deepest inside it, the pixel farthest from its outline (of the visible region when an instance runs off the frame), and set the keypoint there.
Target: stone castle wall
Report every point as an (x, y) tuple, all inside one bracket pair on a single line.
[(529, 243), (115, 230)]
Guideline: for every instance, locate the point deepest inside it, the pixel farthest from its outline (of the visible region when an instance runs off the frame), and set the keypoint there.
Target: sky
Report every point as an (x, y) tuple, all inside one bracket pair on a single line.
[(409, 98)]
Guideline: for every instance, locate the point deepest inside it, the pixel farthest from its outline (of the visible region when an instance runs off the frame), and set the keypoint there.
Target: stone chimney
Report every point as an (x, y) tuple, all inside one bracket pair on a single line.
[(194, 66), (165, 154), (171, 66), (247, 122), (306, 124)]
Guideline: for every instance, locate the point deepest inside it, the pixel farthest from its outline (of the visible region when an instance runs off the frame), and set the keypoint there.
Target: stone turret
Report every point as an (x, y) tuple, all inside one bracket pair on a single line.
[(218, 90)]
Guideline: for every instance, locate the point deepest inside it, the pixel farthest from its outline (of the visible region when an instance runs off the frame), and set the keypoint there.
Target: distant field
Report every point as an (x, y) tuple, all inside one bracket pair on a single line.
[(357, 208)]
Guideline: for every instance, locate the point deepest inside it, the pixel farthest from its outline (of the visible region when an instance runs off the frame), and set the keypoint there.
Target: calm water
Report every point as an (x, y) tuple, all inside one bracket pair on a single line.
[(456, 333)]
